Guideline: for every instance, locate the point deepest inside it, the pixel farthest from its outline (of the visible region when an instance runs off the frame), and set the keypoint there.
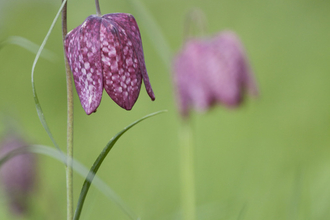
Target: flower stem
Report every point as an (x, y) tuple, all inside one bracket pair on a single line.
[(187, 173), (195, 24), (69, 146), (98, 10)]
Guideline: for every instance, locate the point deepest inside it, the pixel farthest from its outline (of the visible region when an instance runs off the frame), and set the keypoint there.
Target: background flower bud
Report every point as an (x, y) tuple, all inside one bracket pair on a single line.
[(210, 71), (17, 175)]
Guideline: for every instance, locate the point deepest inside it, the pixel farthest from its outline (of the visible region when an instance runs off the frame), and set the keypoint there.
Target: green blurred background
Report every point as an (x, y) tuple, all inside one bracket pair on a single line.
[(269, 159)]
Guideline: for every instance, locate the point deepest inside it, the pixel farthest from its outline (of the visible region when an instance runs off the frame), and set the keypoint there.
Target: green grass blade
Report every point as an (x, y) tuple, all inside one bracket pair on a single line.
[(242, 212), (154, 31), (35, 96), (78, 167), (28, 45), (11, 154), (98, 163)]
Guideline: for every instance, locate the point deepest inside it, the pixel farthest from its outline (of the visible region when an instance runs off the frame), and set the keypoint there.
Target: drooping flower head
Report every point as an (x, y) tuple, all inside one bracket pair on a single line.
[(210, 71), (17, 175), (106, 52)]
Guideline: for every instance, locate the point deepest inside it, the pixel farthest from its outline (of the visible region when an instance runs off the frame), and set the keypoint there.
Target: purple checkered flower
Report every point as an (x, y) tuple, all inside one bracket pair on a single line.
[(17, 175), (106, 52), (210, 71)]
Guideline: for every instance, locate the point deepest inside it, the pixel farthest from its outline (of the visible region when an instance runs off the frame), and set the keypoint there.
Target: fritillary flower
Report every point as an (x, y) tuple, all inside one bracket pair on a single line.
[(17, 175), (210, 71), (106, 52)]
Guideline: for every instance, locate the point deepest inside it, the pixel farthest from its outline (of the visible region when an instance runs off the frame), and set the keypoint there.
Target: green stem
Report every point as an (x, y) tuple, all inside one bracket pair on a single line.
[(69, 146), (98, 10), (195, 24), (187, 173)]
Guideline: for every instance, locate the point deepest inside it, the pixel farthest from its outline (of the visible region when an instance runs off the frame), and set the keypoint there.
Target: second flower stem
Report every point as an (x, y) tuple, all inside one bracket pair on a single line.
[(69, 84)]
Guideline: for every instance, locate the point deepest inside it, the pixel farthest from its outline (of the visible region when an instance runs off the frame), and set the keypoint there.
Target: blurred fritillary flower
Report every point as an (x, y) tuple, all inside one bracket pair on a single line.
[(106, 52), (210, 71), (17, 175)]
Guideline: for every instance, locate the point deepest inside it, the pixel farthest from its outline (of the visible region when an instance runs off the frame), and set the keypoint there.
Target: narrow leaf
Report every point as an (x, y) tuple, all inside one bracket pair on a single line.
[(36, 100), (30, 46), (78, 167), (99, 161)]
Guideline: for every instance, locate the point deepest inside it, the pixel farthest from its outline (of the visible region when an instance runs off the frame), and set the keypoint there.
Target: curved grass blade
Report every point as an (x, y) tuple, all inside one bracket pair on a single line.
[(79, 168), (28, 45), (154, 31), (36, 100), (99, 161)]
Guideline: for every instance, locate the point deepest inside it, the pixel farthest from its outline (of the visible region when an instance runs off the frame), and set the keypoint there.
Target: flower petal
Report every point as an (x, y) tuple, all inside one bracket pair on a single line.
[(83, 53), (223, 73), (127, 22), (247, 75), (230, 71), (121, 75), (189, 78)]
